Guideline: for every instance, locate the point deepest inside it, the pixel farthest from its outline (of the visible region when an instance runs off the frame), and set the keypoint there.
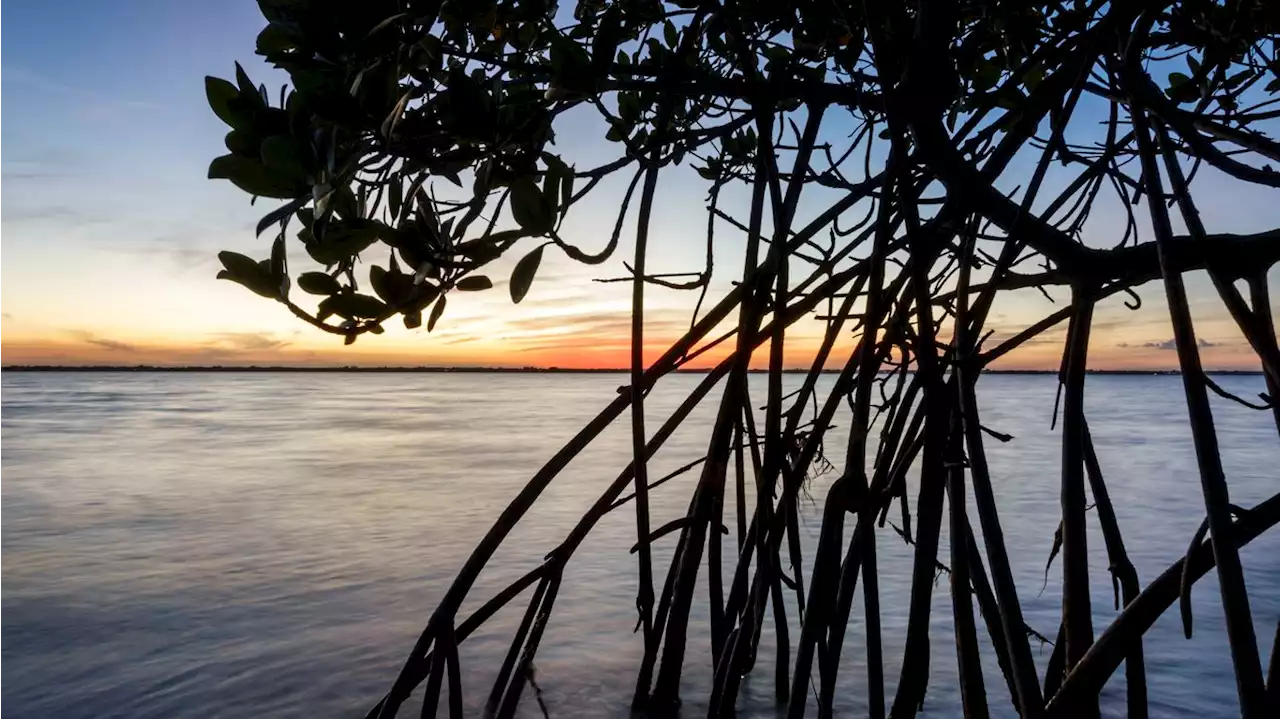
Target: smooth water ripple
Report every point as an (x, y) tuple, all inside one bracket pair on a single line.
[(197, 545)]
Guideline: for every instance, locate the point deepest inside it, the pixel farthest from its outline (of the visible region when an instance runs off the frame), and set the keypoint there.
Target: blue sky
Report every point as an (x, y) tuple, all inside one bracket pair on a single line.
[(106, 136)]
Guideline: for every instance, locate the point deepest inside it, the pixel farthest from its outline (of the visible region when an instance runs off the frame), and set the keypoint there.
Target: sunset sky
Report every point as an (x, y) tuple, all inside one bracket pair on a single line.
[(110, 230)]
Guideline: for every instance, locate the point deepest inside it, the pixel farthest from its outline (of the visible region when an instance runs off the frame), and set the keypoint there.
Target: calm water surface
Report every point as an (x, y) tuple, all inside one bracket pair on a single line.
[(196, 545)]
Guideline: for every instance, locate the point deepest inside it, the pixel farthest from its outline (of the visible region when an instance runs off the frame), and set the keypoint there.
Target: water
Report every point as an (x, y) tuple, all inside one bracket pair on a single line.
[(221, 544)]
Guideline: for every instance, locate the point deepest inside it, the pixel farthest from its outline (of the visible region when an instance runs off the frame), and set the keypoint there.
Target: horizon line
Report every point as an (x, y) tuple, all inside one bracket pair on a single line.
[(499, 369)]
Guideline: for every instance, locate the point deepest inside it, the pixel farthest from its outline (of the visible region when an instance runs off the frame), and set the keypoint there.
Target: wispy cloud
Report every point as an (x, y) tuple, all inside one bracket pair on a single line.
[(29, 174), (1120, 323), (173, 250), (45, 213), (103, 342), (1169, 344), (92, 103), (614, 324), (248, 341), (573, 342), (43, 157)]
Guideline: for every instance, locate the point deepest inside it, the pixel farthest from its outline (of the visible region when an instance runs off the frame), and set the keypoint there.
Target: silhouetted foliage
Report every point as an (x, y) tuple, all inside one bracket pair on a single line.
[(949, 154)]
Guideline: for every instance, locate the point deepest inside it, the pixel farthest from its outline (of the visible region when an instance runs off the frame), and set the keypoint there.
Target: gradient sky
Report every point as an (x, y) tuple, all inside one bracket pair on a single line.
[(110, 230)]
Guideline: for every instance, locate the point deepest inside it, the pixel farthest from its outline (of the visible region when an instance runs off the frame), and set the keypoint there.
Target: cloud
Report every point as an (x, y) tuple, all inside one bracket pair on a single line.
[(7, 315), (21, 175), (555, 324), (103, 342), (570, 342), (110, 344), (45, 213), (90, 103), (1116, 323), (1169, 344), (574, 299), (53, 160), (220, 344), (172, 251), (610, 324), (248, 341)]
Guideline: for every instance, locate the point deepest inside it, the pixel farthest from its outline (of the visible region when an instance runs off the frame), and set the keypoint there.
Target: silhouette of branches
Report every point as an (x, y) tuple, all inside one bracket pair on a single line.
[(899, 169)]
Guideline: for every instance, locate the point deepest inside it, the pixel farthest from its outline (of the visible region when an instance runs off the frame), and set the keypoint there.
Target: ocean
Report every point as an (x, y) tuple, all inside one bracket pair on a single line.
[(223, 544)]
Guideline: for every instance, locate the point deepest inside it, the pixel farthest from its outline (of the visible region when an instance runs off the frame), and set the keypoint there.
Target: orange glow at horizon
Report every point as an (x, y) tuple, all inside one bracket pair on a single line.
[(565, 351), (567, 322)]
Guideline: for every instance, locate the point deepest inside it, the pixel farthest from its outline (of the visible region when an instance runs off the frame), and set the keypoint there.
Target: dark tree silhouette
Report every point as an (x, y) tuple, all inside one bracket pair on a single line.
[(424, 132)]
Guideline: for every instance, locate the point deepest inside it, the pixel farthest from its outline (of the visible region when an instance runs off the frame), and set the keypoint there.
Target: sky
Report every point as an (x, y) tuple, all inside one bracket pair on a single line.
[(109, 229)]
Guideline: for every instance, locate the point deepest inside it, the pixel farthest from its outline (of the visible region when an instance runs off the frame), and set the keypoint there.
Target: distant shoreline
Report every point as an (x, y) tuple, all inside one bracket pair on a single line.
[(498, 370)]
